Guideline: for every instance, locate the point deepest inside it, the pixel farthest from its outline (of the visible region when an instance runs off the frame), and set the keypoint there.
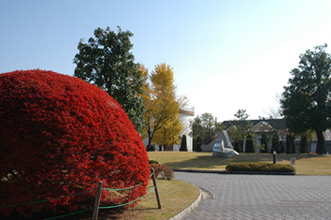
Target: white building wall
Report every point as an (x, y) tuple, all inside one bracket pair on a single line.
[(185, 120), (185, 116), (186, 123)]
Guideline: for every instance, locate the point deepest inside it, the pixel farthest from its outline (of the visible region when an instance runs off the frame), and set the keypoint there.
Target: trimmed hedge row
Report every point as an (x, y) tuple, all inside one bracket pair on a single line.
[(259, 167)]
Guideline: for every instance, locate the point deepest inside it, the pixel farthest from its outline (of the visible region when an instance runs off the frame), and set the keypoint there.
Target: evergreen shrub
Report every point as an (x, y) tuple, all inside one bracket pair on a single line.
[(259, 167)]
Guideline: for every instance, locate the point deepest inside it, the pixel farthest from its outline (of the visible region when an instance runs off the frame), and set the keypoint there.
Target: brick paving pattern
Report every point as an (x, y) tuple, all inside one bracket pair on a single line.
[(261, 196)]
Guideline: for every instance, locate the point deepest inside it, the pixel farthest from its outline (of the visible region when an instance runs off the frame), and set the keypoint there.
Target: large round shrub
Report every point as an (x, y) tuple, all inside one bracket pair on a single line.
[(60, 135)]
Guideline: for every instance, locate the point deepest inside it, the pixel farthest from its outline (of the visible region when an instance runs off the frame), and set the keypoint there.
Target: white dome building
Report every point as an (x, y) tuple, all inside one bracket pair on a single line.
[(186, 115)]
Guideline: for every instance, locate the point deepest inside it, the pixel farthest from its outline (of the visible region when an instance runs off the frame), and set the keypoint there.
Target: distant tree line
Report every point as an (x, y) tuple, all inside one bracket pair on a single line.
[(106, 60)]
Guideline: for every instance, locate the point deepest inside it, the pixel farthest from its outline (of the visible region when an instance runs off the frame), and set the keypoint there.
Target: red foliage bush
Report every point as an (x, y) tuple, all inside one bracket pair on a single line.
[(60, 135), (162, 171)]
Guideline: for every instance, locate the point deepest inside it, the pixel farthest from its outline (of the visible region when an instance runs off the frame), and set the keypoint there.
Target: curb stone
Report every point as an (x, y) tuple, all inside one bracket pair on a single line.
[(204, 194), (233, 172)]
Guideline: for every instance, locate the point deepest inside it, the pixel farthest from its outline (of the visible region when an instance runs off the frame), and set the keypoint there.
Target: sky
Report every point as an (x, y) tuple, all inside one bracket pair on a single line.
[(226, 55)]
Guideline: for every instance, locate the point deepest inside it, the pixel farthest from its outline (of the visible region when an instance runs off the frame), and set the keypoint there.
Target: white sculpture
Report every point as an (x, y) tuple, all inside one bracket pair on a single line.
[(223, 146)]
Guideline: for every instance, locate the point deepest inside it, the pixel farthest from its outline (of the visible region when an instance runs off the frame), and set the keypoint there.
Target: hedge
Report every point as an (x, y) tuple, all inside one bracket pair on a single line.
[(259, 167)]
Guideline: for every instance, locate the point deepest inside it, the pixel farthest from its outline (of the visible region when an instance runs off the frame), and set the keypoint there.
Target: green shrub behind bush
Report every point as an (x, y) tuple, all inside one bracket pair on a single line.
[(153, 162), (259, 167)]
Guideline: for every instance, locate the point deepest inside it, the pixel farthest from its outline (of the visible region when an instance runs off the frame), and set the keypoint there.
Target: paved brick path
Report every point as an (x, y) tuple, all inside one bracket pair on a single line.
[(262, 196)]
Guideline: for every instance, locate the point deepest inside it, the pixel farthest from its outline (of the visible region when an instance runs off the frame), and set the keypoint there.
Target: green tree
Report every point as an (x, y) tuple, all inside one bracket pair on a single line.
[(198, 144), (106, 61), (275, 144), (183, 144), (168, 135), (290, 145), (206, 127), (306, 101), (305, 138), (304, 143), (264, 143), (197, 128), (250, 144), (240, 128), (238, 145)]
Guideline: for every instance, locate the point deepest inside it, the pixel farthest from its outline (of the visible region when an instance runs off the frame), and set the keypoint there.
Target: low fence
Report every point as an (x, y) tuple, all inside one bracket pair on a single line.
[(96, 206)]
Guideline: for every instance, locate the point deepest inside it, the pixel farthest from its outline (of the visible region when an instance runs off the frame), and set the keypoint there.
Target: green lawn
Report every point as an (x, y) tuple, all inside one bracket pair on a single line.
[(306, 164), (175, 196)]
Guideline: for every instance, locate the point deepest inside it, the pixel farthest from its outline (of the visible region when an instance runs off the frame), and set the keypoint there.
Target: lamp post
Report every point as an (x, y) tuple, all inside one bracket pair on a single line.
[(275, 157)]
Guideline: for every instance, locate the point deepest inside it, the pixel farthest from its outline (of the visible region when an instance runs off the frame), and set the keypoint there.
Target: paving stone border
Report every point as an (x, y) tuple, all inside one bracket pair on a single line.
[(233, 172), (204, 195), (189, 209)]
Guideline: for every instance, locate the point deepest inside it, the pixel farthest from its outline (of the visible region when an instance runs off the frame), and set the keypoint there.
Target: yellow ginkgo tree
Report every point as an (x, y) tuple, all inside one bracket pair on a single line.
[(163, 126), (168, 135)]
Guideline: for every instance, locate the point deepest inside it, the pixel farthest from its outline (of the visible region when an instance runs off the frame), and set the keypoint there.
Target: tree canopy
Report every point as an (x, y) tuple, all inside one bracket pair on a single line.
[(162, 109), (206, 127), (306, 101), (240, 128), (107, 62)]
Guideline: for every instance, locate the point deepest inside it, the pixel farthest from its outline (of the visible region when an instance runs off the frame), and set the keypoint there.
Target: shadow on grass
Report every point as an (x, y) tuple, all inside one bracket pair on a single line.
[(210, 162)]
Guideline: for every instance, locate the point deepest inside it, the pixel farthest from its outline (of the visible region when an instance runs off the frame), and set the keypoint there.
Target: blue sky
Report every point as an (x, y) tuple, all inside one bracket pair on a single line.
[(226, 54)]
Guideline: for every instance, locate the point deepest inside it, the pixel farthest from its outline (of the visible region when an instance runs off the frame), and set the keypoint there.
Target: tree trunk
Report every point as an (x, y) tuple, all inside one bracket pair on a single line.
[(321, 147), (290, 145), (150, 138), (148, 147), (304, 144)]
